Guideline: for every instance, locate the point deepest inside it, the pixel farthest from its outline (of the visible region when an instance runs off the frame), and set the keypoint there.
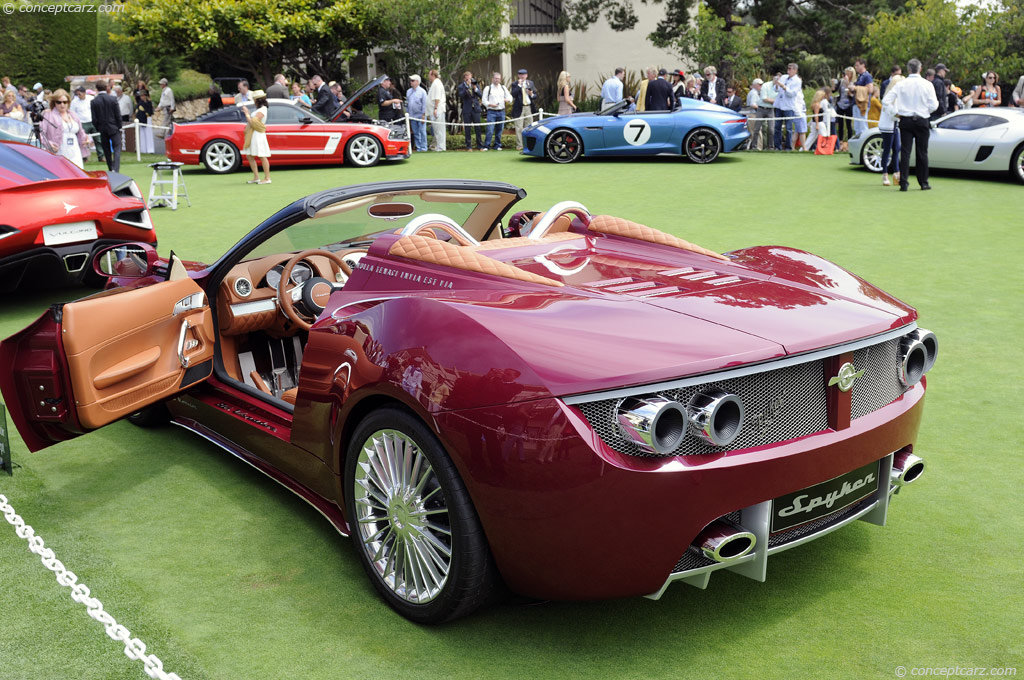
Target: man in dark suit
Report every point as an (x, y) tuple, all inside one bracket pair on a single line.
[(326, 103), (106, 117), (469, 94), (732, 100), (939, 83), (659, 94), (712, 89)]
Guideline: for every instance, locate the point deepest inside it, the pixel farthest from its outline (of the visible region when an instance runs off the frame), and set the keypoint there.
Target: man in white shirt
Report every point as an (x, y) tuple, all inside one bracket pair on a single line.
[(436, 110), (124, 104), (494, 98), (915, 101), (243, 96), (611, 91), (81, 106), (790, 86)]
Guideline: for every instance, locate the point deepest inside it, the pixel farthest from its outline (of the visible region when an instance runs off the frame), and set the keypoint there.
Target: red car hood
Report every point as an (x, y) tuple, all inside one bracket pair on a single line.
[(624, 318)]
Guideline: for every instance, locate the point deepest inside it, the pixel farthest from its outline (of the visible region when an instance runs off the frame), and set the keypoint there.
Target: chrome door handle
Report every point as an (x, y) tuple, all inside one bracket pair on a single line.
[(182, 344)]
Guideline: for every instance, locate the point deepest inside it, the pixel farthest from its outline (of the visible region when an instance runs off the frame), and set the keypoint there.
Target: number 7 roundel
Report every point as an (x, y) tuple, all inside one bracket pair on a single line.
[(637, 132)]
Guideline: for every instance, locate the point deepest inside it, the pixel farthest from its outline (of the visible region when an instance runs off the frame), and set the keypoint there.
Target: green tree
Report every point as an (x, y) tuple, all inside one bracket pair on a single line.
[(255, 36), (737, 53), (969, 40), (446, 34)]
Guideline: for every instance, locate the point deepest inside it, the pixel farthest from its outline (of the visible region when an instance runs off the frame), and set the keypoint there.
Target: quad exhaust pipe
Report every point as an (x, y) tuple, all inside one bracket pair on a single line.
[(906, 468), (655, 424), (724, 540)]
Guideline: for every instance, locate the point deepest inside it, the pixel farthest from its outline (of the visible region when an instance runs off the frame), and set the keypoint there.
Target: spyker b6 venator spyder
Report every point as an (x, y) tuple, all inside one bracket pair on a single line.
[(576, 405)]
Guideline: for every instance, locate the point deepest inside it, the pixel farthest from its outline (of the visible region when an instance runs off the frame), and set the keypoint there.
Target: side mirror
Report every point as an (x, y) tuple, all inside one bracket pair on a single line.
[(126, 261), (306, 120)]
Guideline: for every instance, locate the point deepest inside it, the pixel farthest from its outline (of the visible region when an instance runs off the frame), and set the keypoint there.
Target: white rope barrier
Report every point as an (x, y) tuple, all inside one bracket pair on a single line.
[(134, 648)]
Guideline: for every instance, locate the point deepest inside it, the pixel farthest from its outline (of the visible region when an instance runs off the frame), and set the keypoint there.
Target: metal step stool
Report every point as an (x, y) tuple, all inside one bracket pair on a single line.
[(163, 190)]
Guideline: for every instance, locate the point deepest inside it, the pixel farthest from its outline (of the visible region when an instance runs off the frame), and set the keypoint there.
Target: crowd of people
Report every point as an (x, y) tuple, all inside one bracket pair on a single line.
[(89, 118), (779, 117)]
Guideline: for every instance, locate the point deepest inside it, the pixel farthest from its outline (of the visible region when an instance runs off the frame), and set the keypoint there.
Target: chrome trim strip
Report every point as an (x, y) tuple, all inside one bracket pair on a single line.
[(254, 307), (418, 222), (556, 211), (9, 233), (749, 369)]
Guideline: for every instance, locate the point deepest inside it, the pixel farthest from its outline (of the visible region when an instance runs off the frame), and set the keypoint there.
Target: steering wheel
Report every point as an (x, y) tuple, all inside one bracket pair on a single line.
[(446, 228), (311, 295)]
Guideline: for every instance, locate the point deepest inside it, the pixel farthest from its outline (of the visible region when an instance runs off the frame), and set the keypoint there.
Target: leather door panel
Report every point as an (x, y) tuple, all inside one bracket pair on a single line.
[(123, 350)]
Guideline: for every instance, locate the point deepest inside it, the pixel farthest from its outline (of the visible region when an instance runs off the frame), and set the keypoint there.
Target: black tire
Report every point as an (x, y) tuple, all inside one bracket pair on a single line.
[(220, 157), (871, 154), (702, 145), (563, 146), (363, 151), (154, 415), (1017, 164), (401, 520)]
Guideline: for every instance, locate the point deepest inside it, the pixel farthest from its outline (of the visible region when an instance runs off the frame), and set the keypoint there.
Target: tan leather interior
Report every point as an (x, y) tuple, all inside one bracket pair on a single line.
[(561, 224), (122, 349), (260, 383), (433, 251), (289, 395), (607, 224), (516, 241)]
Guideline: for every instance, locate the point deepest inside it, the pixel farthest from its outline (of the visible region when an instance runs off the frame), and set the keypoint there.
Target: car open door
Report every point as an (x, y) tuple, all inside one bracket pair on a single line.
[(87, 363)]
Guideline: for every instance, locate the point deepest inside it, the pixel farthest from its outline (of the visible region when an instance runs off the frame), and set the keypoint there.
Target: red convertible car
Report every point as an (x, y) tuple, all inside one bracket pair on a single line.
[(297, 136), (579, 405), (54, 216)]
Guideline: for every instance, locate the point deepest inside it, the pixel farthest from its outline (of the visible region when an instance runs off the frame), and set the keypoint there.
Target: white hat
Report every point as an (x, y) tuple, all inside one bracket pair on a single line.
[(37, 86), (757, 81), (415, 77)]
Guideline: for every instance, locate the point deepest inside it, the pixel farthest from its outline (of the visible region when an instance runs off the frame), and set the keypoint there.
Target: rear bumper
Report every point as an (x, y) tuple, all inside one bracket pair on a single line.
[(568, 518), (49, 266)]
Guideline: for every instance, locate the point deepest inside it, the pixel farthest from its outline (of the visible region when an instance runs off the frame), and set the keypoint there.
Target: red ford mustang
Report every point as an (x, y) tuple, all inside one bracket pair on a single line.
[(582, 406), (297, 136), (54, 216)]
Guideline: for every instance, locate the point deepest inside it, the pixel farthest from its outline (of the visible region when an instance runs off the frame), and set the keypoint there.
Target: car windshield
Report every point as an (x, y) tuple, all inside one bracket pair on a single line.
[(349, 223)]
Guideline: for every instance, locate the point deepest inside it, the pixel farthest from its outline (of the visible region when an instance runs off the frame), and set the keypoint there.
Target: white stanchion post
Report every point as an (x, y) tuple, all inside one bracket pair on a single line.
[(408, 132), (138, 143)]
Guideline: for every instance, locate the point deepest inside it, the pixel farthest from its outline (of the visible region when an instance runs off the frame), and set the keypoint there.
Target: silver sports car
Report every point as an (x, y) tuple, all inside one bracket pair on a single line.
[(990, 140)]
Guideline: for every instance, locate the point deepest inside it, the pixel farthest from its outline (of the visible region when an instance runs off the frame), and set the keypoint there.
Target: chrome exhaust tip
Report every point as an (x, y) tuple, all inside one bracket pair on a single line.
[(724, 540), (913, 359), (931, 346), (716, 416), (906, 468), (655, 424), (75, 262)]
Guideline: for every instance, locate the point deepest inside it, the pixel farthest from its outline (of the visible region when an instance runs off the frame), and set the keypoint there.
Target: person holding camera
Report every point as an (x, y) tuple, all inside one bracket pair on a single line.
[(62, 132), (523, 106), (469, 95)]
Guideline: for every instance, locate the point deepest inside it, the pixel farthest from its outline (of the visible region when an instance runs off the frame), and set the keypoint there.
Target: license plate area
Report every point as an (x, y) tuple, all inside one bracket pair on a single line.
[(825, 498), (69, 232)]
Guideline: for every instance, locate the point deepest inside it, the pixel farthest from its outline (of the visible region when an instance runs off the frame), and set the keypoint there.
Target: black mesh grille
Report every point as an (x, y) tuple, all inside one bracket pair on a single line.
[(781, 404), (880, 384)]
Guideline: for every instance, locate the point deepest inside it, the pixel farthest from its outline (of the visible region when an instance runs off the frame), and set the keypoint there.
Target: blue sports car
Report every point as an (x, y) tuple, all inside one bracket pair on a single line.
[(699, 130)]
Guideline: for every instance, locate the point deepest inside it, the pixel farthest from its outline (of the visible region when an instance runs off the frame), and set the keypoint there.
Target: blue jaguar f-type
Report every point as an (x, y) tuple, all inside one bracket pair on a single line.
[(696, 129)]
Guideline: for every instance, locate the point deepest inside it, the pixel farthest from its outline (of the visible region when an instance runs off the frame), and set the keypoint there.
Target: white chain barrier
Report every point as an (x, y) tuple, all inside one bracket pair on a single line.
[(134, 648)]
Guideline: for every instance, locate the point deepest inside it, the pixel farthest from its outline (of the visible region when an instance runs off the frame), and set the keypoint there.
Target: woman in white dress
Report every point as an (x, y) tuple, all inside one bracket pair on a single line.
[(61, 132), (256, 145)]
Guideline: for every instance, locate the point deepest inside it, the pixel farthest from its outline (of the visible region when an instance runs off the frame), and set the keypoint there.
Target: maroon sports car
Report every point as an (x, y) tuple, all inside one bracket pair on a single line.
[(579, 405), (54, 216), (297, 136)]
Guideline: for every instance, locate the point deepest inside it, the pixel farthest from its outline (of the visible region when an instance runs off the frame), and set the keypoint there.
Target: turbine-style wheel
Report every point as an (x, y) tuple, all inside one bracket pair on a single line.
[(416, 532), (563, 146), (1017, 164), (702, 145), (221, 156), (363, 151), (871, 154)]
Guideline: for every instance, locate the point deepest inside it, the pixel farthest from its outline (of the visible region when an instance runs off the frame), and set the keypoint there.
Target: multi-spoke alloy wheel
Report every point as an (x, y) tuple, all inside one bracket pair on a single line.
[(418, 536), (564, 146), (221, 156), (1017, 164), (871, 154), (702, 145), (363, 151), (401, 516)]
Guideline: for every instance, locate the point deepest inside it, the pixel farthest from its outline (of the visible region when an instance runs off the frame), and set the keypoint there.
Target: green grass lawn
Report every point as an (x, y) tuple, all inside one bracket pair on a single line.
[(226, 575)]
